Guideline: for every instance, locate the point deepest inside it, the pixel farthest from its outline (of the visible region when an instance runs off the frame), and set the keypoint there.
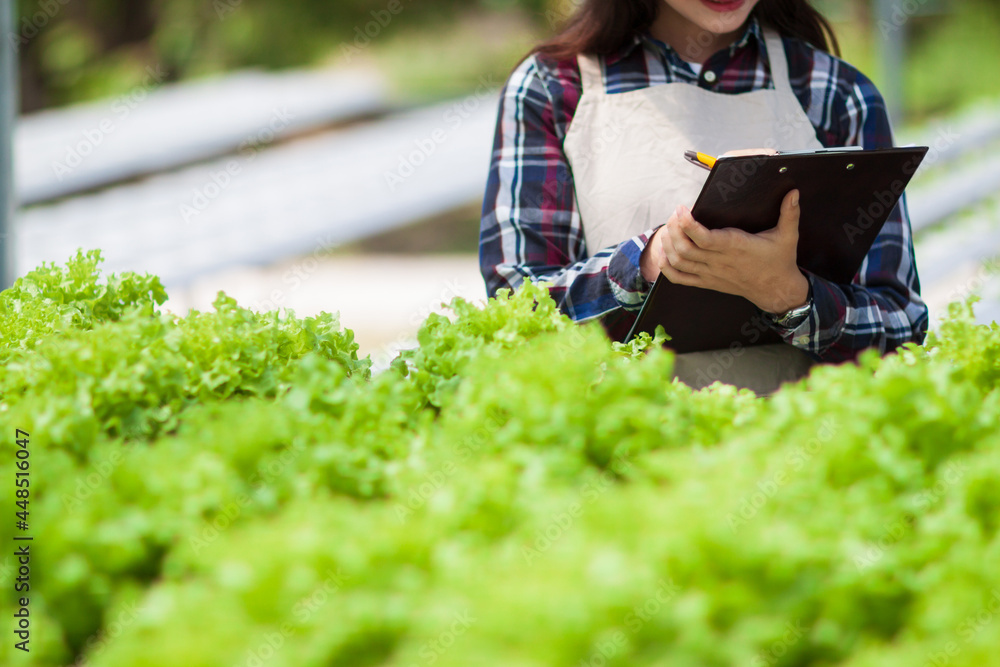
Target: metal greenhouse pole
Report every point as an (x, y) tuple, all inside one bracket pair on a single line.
[(8, 111), (890, 35)]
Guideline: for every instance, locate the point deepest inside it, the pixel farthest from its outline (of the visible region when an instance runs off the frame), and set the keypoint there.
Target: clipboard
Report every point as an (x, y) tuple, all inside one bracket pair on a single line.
[(845, 197)]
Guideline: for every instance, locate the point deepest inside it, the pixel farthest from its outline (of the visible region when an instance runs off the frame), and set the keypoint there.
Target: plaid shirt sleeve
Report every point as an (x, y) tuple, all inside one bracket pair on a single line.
[(882, 307), (530, 228)]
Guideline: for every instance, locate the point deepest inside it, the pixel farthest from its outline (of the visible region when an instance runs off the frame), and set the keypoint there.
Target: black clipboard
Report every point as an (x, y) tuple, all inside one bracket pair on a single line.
[(845, 196)]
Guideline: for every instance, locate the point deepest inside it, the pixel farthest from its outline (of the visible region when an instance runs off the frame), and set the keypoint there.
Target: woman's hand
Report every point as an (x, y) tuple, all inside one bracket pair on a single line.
[(759, 267)]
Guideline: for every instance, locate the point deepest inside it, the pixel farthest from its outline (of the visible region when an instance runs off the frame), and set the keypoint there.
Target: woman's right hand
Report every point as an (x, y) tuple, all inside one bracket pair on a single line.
[(761, 268), (670, 246)]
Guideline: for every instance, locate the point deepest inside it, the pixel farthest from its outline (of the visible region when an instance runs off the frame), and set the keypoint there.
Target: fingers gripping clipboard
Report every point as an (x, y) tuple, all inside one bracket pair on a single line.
[(845, 197)]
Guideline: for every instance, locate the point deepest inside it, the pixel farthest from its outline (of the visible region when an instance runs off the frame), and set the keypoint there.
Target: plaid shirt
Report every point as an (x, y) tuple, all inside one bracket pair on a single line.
[(531, 229)]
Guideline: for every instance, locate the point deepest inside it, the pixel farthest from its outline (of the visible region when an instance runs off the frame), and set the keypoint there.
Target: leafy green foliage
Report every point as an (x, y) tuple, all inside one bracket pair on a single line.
[(234, 488), (447, 347), (51, 300), (103, 359)]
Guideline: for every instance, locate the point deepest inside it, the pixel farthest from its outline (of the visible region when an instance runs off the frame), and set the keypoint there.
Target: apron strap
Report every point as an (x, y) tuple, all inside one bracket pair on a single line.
[(591, 78), (777, 60)]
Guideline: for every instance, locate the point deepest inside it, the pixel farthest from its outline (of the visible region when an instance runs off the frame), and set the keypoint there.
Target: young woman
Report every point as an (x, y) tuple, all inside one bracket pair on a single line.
[(588, 188)]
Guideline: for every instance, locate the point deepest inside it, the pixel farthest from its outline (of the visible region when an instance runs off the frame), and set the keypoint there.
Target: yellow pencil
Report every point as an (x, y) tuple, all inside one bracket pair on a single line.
[(700, 159)]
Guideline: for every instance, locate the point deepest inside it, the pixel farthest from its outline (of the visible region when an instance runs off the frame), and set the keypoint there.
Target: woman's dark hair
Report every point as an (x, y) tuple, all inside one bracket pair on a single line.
[(605, 26)]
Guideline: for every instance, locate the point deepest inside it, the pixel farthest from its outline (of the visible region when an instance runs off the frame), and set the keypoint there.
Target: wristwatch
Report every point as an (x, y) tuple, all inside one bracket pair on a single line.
[(794, 317)]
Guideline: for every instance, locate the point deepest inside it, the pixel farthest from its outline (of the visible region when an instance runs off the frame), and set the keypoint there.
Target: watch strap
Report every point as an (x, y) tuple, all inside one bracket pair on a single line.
[(794, 317)]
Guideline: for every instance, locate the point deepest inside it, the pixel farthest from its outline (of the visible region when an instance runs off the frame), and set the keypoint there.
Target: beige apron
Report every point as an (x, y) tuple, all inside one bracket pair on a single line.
[(626, 151)]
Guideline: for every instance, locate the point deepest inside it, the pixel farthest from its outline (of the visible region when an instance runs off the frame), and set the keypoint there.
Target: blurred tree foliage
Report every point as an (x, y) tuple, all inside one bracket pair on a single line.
[(74, 50)]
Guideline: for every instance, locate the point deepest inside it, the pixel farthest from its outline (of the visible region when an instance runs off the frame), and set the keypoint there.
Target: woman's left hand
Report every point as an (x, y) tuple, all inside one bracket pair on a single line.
[(762, 267)]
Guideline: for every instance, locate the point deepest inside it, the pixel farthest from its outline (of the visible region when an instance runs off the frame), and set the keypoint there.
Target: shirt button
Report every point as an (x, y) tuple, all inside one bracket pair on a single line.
[(710, 77)]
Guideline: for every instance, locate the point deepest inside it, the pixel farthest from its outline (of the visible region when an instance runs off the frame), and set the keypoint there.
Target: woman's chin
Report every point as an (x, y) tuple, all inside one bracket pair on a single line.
[(724, 22), (724, 26)]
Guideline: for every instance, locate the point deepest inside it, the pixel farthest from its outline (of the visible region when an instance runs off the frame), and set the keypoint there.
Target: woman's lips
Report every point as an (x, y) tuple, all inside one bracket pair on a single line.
[(727, 6)]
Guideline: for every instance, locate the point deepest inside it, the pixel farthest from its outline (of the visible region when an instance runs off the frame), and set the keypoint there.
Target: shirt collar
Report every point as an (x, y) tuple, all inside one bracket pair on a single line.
[(752, 30)]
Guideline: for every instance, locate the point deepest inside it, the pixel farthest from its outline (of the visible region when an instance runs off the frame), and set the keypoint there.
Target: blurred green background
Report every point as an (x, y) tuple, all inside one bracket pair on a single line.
[(76, 50)]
